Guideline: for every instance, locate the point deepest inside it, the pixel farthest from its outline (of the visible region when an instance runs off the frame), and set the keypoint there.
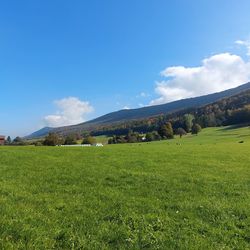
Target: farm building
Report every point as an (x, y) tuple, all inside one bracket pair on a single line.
[(2, 139)]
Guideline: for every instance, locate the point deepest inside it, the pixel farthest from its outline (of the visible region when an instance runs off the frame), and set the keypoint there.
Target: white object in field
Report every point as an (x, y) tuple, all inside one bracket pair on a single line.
[(83, 145), (77, 145)]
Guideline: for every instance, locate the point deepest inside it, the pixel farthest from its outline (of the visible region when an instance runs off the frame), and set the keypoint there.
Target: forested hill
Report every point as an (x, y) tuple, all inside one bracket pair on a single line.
[(127, 116), (227, 111), (131, 114)]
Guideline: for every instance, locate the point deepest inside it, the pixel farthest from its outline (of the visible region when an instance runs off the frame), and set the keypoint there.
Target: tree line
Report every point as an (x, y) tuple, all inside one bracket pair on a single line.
[(165, 132), (52, 139), (228, 111)]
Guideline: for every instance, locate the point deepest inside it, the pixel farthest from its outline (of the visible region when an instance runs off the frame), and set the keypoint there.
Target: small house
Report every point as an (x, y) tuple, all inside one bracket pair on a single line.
[(2, 140)]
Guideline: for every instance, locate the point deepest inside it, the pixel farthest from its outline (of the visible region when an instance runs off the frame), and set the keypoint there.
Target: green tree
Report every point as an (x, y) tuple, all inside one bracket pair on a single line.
[(132, 137), (166, 131), (70, 139), (188, 121), (111, 141), (120, 139), (156, 135), (8, 140), (52, 139), (196, 129), (149, 136), (18, 141), (153, 136), (181, 132)]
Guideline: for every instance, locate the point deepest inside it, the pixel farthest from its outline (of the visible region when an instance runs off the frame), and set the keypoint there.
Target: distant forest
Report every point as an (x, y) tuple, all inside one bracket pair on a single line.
[(227, 111)]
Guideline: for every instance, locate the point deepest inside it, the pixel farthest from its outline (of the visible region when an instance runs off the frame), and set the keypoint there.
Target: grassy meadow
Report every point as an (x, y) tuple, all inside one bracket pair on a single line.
[(189, 193)]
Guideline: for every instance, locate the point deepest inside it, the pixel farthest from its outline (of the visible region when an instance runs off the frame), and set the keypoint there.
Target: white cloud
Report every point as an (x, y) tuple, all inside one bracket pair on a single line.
[(126, 107), (216, 73), (245, 44), (71, 111), (143, 95)]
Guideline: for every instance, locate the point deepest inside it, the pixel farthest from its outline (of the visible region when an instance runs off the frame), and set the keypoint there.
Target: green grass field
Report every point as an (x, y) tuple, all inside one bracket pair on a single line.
[(190, 193)]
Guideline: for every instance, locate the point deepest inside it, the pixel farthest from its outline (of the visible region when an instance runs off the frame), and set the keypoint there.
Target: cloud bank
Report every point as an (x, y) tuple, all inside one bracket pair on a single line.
[(71, 111), (216, 73)]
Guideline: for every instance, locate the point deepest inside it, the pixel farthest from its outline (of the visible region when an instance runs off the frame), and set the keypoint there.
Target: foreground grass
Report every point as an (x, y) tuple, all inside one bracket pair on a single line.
[(192, 193)]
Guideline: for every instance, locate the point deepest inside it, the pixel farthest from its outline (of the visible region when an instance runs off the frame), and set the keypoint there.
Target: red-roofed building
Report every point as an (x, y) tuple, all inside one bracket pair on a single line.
[(2, 139)]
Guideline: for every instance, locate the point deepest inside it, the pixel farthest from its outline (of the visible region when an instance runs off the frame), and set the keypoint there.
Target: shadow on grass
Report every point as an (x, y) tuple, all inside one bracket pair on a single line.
[(231, 127)]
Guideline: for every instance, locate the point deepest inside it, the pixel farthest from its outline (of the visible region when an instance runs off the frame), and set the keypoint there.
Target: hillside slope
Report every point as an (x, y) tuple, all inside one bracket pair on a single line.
[(145, 112), (149, 111), (40, 133), (232, 110)]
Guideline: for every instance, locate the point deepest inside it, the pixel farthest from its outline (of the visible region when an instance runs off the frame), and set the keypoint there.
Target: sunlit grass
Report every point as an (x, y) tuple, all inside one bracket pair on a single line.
[(189, 193)]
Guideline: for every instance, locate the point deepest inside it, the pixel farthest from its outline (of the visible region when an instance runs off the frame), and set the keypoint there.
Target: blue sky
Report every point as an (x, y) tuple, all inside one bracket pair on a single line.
[(63, 62)]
